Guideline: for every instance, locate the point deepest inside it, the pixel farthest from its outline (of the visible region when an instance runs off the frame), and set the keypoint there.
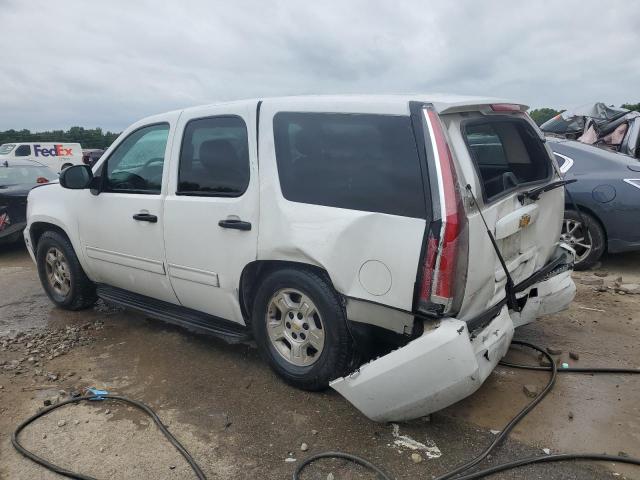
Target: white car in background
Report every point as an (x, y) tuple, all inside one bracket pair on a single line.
[(55, 155), (344, 233)]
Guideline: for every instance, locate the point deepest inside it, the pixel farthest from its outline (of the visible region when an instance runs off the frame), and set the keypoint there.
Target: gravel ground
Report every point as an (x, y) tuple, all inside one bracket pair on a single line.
[(239, 421)]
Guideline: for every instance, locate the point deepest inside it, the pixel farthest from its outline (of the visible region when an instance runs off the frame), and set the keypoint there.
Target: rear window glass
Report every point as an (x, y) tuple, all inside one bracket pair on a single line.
[(354, 161), (507, 153)]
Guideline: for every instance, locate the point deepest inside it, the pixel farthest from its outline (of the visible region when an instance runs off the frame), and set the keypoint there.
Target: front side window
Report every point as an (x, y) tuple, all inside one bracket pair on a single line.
[(214, 157), (23, 151), (6, 148), (507, 153), (136, 164), (355, 161)]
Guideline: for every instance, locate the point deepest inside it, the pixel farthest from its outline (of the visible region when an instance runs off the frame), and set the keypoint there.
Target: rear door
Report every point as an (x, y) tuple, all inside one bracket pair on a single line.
[(502, 156), (212, 207)]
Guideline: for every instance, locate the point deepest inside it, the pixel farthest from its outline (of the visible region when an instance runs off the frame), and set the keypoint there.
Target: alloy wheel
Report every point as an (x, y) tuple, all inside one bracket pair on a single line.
[(295, 327), (58, 272), (578, 237)]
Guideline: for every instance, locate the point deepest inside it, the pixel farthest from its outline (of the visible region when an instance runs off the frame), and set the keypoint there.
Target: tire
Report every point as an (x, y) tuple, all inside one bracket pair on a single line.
[(325, 319), (573, 233), (73, 290), (66, 165)]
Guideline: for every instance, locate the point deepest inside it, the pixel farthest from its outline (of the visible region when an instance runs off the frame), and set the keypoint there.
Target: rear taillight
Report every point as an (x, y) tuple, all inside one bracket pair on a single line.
[(443, 253)]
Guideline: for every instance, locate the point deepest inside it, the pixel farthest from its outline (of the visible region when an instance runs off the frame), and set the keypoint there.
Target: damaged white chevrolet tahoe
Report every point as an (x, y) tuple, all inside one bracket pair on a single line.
[(345, 234)]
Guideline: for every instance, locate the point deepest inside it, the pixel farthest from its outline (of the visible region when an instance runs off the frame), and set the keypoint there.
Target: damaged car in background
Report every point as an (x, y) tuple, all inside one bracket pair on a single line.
[(613, 128), (386, 246)]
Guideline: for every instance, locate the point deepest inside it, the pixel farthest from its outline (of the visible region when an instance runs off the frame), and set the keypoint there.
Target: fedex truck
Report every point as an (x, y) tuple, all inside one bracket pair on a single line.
[(55, 155)]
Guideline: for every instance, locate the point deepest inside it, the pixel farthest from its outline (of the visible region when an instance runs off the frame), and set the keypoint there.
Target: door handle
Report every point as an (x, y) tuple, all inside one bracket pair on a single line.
[(234, 223), (145, 217)]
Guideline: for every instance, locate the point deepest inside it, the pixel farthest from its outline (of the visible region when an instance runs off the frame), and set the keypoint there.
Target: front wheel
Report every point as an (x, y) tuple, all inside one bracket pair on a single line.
[(61, 274), (585, 235), (301, 328)]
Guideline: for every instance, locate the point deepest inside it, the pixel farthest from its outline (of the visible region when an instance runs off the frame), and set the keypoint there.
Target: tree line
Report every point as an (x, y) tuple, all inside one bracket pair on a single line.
[(87, 137), (541, 115)]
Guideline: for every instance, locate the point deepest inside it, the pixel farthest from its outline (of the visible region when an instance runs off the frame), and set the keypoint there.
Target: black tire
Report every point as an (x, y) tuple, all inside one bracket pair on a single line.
[(596, 234), (337, 353), (66, 165), (82, 291)]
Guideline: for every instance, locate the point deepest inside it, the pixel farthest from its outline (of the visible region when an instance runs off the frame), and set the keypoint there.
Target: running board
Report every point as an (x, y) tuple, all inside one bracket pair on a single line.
[(182, 316)]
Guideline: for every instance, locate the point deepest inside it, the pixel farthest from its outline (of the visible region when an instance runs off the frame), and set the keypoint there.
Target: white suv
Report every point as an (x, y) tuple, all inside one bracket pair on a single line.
[(344, 234)]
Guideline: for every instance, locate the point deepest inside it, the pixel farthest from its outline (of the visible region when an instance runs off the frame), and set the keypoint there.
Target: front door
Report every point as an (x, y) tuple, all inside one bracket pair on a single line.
[(121, 228), (212, 208)]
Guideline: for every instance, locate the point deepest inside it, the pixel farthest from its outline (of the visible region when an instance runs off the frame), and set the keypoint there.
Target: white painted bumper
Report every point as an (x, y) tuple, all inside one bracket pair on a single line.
[(445, 364), (430, 373)]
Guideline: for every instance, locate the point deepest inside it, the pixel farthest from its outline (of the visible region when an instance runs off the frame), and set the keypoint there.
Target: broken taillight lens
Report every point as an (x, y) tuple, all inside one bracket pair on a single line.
[(443, 252)]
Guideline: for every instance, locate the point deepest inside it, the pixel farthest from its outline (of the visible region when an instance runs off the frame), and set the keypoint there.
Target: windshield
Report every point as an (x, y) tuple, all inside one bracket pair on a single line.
[(25, 175), (6, 148)]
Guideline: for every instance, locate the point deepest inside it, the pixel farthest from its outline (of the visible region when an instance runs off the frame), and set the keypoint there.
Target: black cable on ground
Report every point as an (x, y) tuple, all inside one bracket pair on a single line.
[(457, 472), (553, 369), (67, 473), (571, 369)]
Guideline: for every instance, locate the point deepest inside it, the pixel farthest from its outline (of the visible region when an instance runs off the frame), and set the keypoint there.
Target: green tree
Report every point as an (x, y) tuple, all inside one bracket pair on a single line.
[(631, 106), (88, 138), (541, 115)]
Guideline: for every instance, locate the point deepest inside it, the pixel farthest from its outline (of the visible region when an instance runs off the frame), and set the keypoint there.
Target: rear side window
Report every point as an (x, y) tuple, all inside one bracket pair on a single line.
[(507, 153), (214, 157), (354, 161)]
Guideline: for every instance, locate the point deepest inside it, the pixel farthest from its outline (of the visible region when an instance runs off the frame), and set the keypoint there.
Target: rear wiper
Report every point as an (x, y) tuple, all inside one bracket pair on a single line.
[(534, 193)]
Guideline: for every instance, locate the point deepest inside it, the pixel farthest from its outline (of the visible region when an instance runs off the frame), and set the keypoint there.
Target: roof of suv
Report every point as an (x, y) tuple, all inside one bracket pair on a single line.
[(442, 102)]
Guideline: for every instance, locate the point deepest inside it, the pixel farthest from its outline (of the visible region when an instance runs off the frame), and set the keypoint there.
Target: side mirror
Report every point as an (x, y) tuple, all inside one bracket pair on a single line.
[(76, 177)]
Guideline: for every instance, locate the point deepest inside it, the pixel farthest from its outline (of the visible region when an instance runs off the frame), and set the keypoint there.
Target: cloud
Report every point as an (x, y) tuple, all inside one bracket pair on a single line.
[(108, 64)]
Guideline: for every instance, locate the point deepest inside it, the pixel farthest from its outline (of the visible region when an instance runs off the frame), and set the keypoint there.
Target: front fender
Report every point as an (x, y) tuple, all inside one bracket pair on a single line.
[(55, 206)]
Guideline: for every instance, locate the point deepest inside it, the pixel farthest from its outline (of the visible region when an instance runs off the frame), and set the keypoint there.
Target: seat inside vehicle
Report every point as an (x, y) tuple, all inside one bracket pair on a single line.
[(506, 154)]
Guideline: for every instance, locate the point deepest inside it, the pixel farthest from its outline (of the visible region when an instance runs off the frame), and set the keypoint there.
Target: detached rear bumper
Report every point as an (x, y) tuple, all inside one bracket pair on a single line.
[(448, 363), (441, 367)]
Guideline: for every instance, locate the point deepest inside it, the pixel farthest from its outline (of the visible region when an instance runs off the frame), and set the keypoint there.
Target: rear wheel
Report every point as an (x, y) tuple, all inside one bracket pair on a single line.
[(301, 329), (61, 274), (585, 235)]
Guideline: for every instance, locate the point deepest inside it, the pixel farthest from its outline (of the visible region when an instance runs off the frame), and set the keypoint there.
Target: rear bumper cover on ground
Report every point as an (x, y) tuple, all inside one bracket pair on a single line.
[(446, 363)]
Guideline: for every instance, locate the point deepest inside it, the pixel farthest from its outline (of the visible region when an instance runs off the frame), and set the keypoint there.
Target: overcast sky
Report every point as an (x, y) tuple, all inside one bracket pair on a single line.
[(107, 64)]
